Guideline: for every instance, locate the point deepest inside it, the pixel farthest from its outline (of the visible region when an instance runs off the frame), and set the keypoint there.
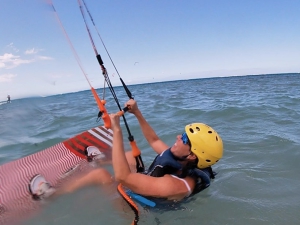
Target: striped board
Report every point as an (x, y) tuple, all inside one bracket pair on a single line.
[(52, 163)]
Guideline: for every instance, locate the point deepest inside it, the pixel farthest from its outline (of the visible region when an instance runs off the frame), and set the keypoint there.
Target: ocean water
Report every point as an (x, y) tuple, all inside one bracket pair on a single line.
[(258, 118)]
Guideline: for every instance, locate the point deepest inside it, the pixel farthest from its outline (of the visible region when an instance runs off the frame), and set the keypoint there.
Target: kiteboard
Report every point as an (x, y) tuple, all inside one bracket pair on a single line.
[(53, 163)]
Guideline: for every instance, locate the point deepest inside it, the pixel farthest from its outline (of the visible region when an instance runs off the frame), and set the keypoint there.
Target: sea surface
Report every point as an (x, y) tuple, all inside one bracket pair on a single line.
[(258, 118)]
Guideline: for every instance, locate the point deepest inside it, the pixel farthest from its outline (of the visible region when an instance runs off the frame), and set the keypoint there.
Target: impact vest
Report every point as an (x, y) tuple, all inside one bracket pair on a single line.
[(166, 163)]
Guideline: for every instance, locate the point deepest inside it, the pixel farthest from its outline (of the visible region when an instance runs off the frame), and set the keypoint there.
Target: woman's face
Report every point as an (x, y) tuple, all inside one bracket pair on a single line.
[(179, 149)]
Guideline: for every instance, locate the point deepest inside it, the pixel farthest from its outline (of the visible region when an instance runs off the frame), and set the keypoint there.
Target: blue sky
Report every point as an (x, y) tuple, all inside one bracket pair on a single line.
[(149, 41)]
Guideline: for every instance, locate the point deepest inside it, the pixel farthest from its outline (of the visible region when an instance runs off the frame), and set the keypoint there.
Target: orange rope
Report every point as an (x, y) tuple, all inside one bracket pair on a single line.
[(131, 203)]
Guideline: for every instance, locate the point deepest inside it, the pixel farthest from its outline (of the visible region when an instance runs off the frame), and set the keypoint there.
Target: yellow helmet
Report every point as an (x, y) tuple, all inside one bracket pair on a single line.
[(206, 144)]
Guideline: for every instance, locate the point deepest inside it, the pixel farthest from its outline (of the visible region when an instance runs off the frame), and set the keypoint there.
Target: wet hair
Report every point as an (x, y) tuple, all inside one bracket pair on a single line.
[(189, 166)]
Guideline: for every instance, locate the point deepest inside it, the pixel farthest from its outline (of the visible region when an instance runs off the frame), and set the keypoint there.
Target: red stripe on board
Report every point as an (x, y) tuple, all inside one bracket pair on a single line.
[(73, 150), (94, 140), (85, 140), (97, 141), (77, 144)]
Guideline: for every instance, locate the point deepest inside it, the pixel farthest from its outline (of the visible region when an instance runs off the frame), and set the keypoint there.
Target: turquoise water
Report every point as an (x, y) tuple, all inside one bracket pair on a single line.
[(258, 118)]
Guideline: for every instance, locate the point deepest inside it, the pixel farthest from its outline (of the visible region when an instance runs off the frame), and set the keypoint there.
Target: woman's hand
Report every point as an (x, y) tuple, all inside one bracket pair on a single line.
[(132, 106), (115, 121)]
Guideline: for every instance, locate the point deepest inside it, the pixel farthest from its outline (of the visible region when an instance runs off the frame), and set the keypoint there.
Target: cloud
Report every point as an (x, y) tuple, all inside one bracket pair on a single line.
[(7, 57), (7, 77), (44, 58), (9, 61), (32, 51), (11, 45)]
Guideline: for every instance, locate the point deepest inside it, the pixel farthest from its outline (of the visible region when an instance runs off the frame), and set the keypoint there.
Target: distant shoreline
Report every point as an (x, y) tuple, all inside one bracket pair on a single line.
[(174, 80)]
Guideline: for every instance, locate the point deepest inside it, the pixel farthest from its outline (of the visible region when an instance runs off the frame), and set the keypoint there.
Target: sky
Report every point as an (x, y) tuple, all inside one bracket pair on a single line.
[(148, 41)]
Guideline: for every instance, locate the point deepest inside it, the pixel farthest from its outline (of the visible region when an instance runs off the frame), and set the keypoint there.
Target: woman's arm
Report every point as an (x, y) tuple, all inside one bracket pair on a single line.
[(154, 141), (120, 164), (162, 187)]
